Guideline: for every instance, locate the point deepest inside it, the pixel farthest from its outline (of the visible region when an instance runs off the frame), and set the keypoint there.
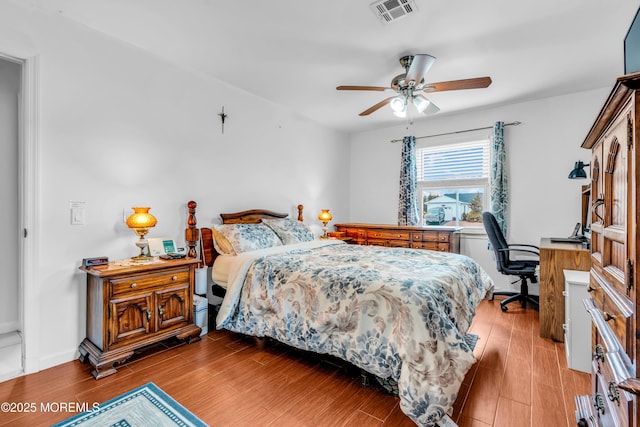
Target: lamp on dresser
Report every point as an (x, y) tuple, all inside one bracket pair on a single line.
[(324, 217), (141, 221)]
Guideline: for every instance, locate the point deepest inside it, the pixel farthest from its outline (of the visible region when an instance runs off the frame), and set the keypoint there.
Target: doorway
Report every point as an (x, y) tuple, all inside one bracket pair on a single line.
[(11, 345)]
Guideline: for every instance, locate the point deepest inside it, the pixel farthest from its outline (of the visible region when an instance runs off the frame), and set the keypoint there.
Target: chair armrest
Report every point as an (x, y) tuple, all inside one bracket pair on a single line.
[(508, 250), (524, 246)]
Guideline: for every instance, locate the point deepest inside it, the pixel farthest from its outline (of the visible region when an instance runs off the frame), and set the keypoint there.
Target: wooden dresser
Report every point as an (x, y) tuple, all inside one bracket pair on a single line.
[(613, 286), (130, 307), (445, 239)]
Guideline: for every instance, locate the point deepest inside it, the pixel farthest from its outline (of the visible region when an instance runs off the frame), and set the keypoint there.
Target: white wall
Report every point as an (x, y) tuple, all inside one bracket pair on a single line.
[(541, 151), (120, 128)]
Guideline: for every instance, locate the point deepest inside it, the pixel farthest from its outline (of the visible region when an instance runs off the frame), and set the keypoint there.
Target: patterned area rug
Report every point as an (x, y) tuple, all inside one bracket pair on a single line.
[(144, 406), (391, 386)]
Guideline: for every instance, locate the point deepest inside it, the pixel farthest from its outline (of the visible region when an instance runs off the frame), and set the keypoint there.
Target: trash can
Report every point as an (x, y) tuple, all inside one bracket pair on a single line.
[(200, 305)]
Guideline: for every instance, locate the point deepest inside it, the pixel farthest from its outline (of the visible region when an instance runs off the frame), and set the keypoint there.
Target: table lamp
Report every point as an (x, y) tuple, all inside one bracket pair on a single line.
[(324, 217), (141, 221)]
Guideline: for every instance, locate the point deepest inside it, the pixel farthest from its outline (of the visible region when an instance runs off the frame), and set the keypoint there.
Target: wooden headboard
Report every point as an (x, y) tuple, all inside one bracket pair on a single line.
[(193, 235)]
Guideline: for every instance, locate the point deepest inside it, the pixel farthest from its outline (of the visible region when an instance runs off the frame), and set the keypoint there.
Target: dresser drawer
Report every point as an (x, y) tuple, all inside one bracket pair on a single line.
[(388, 235), (435, 236), (616, 311), (143, 282), (356, 233), (612, 403), (618, 323), (596, 292), (389, 243), (397, 243)]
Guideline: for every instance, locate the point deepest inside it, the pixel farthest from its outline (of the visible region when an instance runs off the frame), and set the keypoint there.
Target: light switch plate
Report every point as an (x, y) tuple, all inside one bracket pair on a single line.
[(77, 210)]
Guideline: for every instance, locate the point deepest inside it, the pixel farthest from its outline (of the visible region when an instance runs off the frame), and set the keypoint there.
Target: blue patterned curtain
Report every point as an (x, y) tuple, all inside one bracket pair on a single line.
[(499, 177), (408, 213)]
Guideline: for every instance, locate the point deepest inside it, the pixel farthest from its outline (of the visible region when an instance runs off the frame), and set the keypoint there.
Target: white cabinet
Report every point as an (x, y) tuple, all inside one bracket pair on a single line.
[(577, 327)]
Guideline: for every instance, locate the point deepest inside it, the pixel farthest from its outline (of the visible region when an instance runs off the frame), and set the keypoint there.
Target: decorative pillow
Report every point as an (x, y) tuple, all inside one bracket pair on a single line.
[(290, 231), (221, 243), (248, 237)]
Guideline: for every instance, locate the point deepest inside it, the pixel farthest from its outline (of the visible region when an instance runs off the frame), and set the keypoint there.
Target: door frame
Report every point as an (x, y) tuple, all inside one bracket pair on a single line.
[(28, 212)]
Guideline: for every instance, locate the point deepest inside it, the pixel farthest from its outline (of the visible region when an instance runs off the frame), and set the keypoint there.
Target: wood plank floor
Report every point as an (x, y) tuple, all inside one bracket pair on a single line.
[(226, 380)]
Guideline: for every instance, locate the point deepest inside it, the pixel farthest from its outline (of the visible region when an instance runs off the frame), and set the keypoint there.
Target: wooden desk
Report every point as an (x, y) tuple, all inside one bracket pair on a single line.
[(554, 259)]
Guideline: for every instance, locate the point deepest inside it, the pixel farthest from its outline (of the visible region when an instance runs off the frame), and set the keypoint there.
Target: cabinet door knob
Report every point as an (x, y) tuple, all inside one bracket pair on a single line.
[(608, 316), (174, 278), (590, 288), (134, 285), (148, 315), (160, 311)]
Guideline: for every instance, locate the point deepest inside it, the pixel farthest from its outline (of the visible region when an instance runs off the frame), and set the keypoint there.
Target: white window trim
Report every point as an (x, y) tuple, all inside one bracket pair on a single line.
[(457, 183)]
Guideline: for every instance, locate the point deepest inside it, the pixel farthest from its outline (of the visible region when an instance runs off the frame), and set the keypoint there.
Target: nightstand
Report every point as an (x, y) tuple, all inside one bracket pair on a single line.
[(132, 306)]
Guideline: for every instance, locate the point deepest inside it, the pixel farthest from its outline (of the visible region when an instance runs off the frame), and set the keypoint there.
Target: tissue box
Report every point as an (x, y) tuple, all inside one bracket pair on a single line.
[(200, 306)]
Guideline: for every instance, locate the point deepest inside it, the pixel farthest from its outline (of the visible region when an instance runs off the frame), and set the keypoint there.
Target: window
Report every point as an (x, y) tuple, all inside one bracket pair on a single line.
[(453, 183)]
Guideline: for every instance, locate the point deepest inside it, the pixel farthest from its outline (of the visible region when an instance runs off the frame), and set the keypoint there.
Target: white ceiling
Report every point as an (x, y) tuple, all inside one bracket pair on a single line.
[(295, 52)]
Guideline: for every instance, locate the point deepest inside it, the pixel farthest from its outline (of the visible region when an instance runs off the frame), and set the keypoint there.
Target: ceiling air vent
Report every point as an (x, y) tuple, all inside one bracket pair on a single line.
[(390, 10)]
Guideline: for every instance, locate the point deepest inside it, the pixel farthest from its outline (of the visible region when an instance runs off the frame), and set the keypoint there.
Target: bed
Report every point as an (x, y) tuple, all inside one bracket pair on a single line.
[(399, 314)]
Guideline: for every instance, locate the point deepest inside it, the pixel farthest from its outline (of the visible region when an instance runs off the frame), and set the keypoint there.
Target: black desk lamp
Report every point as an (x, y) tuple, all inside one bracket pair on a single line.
[(578, 171)]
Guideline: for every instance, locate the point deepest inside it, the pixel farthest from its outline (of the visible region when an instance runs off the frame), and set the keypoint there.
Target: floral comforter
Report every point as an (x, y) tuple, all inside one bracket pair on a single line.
[(396, 313)]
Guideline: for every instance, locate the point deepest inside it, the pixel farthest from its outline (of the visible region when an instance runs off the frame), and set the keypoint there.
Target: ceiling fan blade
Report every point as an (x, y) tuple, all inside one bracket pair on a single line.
[(376, 107), (419, 66), (477, 83), (376, 88)]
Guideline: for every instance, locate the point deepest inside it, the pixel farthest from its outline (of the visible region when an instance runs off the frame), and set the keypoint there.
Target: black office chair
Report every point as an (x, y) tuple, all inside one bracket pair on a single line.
[(524, 269)]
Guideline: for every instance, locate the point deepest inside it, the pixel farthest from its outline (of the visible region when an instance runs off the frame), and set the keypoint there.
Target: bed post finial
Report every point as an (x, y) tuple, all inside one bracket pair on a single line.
[(300, 217), (192, 234)]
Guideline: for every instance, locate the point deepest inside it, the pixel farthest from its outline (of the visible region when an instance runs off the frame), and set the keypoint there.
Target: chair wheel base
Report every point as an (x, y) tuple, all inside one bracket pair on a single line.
[(504, 308)]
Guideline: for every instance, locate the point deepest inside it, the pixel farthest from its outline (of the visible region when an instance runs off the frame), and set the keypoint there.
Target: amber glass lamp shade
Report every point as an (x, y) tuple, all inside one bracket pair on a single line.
[(140, 222), (324, 217)]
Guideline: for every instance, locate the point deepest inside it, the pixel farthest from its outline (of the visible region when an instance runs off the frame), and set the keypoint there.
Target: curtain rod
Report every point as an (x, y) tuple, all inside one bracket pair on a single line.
[(459, 131)]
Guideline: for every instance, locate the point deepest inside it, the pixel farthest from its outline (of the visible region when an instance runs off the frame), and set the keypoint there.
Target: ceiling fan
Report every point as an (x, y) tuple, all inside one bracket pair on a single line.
[(410, 87)]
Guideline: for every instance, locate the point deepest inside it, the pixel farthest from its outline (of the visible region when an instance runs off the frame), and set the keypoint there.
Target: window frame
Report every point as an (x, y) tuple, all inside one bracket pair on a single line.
[(455, 184)]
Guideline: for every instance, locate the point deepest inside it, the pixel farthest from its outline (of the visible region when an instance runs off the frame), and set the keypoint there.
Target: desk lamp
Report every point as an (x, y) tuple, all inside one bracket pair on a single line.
[(578, 171)]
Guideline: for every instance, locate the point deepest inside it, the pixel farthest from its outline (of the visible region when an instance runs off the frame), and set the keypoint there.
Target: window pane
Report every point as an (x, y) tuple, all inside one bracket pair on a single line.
[(469, 160), (457, 207)]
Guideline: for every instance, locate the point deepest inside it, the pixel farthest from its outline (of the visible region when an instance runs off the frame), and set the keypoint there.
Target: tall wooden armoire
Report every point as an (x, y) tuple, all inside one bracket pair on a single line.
[(613, 289)]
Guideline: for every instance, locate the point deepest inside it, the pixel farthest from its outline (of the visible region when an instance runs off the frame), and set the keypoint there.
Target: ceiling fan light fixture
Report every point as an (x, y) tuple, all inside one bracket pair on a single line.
[(421, 103), (410, 85), (398, 104)]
